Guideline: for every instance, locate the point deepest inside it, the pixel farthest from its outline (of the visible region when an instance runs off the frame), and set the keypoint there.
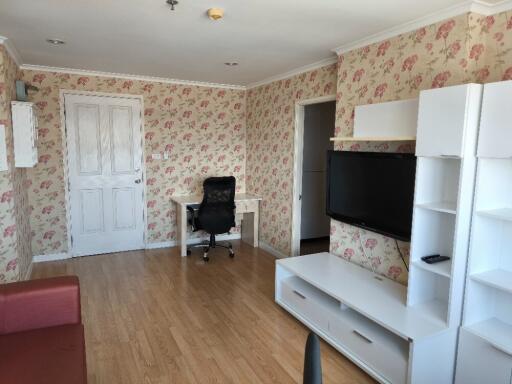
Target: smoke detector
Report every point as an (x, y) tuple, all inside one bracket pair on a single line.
[(215, 13)]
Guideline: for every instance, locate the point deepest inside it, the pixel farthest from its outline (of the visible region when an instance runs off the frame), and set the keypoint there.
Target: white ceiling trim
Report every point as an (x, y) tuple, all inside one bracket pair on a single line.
[(11, 50), (477, 6), (294, 72), (83, 72), (485, 8)]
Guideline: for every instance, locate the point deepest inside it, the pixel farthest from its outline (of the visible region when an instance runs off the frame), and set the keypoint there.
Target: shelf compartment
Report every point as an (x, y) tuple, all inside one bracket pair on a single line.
[(497, 278), (437, 182), (433, 233), (504, 214), (494, 331), (489, 247), (429, 294), (443, 268), (435, 310), (442, 206)]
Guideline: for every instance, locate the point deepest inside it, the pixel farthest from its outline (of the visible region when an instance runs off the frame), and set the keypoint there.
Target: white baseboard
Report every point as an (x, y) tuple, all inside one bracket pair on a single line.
[(164, 244), (270, 249), (51, 257), (174, 243)]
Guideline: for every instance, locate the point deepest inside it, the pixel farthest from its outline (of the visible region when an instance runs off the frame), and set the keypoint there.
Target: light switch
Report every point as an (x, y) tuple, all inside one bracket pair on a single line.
[(156, 156), (3, 150), (166, 155)]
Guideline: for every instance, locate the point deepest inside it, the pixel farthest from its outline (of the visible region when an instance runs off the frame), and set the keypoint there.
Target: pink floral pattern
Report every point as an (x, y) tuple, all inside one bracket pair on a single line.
[(270, 128), (452, 52), (15, 250), (202, 128)]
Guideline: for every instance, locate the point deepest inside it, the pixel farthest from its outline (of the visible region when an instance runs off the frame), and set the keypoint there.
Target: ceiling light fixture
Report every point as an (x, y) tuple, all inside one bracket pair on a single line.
[(172, 3), (55, 41), (215, 13), (231, 63)]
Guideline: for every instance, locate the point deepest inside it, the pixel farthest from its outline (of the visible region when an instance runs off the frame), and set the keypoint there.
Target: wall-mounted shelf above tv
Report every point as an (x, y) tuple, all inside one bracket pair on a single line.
[(375, 138)]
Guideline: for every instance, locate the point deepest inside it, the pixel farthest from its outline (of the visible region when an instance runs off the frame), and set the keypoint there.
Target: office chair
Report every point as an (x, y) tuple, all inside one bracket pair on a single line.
[(216, 213), (312, 362)]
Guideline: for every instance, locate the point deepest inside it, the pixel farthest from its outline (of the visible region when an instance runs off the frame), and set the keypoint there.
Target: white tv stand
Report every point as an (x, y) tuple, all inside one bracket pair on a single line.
[(364, 316)]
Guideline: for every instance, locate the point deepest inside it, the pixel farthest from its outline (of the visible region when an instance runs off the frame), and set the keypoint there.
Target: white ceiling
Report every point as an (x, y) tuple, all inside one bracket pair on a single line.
[(144, 37)]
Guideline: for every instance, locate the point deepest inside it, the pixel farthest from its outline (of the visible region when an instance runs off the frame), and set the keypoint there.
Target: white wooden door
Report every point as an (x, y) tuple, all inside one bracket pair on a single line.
[(495, 124), (441, 121), (104, 144)]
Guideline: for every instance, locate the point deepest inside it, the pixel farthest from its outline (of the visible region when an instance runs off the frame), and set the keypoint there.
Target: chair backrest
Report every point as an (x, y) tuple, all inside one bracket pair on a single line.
[(217, 210)]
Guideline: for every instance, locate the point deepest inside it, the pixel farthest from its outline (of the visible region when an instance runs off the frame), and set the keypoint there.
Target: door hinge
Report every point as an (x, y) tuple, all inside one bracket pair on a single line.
[(71, 239)]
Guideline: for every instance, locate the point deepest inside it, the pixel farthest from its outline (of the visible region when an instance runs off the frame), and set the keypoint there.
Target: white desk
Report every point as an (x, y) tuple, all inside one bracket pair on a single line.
[(246, 204)]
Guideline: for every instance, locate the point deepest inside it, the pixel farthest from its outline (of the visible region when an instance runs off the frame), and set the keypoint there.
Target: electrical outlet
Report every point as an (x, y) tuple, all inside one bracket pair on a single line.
[(156, 156)]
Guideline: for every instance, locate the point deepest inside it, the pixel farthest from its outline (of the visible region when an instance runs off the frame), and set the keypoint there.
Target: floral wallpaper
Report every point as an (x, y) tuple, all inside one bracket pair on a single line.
[(202, 128), (467, 48), (205, 131), (270, 140), (15, 249)]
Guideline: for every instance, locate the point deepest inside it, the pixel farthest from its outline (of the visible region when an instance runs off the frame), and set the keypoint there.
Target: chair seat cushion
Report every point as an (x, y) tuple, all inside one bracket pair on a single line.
[(44, 356)]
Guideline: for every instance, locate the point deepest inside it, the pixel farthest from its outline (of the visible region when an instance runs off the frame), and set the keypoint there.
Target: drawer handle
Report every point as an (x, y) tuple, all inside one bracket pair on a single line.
[(362, 336), (501, 349), (299, 294)]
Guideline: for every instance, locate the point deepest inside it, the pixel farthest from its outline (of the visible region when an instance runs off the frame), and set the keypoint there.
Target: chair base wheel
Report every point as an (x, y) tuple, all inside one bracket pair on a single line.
[(206, 259), (231, 254), (189, 252)]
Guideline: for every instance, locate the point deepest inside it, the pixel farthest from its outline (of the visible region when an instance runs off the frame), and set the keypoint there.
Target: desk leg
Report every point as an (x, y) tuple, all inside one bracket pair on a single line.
[(181, 221), (250, 227)]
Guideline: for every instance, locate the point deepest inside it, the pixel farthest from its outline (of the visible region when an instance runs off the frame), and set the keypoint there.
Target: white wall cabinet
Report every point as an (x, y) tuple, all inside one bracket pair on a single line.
[(443, 118), (24, 126), (496, 124)]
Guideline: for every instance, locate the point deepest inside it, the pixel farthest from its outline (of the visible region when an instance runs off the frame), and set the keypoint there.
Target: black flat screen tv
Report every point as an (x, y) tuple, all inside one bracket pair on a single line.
[(374, 191)]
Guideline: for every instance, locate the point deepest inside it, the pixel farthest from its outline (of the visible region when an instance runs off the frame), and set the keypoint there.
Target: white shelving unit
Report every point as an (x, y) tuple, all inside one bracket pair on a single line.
[(448, 123), (403, 334), (485, 350)]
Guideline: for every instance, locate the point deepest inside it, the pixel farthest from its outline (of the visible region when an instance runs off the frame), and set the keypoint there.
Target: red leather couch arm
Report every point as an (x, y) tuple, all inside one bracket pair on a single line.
[(40, 303)]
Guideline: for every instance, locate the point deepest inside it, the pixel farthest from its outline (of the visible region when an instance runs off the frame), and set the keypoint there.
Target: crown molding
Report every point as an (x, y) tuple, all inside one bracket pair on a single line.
[(486, 8), (9, 46), (85, 72), (294, 72), (477, 6)]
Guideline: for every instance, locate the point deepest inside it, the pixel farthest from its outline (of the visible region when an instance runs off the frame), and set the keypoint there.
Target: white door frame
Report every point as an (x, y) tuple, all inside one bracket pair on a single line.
[(298, 152), (65, 158)]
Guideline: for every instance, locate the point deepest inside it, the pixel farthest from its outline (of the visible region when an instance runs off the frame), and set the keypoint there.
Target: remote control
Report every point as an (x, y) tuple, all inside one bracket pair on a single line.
[(432, 259)]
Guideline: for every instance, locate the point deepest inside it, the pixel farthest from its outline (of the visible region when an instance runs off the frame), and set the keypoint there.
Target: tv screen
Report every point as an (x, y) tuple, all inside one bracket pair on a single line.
[(371, 190)]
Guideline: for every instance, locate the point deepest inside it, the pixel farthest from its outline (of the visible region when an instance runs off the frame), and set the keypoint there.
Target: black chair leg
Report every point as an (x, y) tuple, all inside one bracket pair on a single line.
[(205, 254)]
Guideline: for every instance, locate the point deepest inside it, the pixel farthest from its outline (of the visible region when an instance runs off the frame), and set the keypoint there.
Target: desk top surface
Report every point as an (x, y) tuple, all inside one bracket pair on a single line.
[(196, 199)]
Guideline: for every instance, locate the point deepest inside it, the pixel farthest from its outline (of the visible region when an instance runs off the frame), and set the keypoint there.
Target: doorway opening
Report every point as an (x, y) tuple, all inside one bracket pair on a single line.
[(315, 127)]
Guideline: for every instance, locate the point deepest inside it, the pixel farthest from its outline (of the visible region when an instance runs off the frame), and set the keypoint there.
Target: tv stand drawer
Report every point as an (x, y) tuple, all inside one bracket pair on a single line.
[(308, 301), (381, 350)]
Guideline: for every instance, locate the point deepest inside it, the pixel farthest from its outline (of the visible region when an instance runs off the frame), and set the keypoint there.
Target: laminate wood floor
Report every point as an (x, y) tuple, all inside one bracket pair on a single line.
[(155, 317)]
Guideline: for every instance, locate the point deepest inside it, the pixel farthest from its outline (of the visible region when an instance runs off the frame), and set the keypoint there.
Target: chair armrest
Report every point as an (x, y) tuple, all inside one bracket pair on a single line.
[(40, 303)]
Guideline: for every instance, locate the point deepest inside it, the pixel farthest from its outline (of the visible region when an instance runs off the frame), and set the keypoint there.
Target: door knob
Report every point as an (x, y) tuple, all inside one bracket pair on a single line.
[(138, 181)]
